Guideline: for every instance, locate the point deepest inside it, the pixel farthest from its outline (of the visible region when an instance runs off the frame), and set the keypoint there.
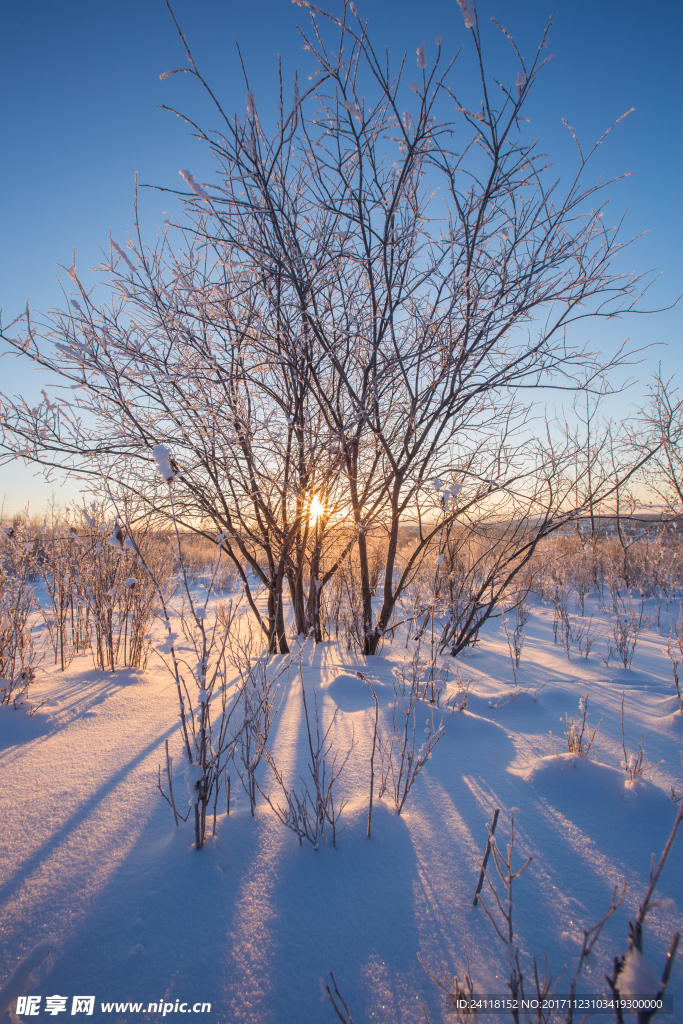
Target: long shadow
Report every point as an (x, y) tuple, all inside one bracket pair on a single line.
[(79, 816), (298, 913), (169, 920), (77, 698), (584, 840), (166, 921)]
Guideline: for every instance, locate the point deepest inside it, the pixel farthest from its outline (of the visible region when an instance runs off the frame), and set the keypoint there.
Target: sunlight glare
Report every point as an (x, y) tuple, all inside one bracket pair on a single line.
[(317, 508)]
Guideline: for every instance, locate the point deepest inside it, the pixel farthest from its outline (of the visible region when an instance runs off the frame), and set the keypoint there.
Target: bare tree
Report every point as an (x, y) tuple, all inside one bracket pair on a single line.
[(352, 311), (661, 429)]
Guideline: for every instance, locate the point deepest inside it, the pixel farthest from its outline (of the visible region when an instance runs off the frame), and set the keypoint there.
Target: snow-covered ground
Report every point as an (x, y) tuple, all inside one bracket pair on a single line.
[(91, 859)]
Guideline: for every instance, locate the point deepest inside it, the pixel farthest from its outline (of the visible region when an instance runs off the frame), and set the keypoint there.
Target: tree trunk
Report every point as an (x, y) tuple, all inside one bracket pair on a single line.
[(389, 597), (314, 591), (277, 634), (280, 635)]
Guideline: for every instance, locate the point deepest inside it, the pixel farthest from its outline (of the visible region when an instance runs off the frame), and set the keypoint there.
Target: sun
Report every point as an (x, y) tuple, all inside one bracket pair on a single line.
[(317, 508)]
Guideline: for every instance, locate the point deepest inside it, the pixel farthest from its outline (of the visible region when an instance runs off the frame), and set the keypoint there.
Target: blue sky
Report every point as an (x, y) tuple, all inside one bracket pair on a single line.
[(80, 87)]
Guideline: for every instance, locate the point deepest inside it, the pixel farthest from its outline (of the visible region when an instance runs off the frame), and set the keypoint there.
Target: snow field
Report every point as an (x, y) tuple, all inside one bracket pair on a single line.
[(92, 861)]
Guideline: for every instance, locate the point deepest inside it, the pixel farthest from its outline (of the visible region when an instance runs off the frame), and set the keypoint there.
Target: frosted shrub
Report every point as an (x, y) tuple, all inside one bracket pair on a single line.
[(341, 612), (258, 689), (119, 591), (632, 975), (351, 607), (219, 721), (562, 626), (400, 761), (654, 567), (196, 659), (674, 649), (473, 569), (61, 556), (515, 640), (625, 631), (203, 564), (577, 733), (522, 617), (310, 809), (585, 636), (99, 596), (497, 903), (207, 710), (17, 605), (500, 911), (331, 607), (582, 579), (635, 764)]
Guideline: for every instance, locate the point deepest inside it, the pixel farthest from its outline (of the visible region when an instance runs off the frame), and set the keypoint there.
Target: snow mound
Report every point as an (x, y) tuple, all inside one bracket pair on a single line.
[(674, 723), (350, 693), (588, 781), (632, 679), (667, 715), (17, 726), (511, 704)]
